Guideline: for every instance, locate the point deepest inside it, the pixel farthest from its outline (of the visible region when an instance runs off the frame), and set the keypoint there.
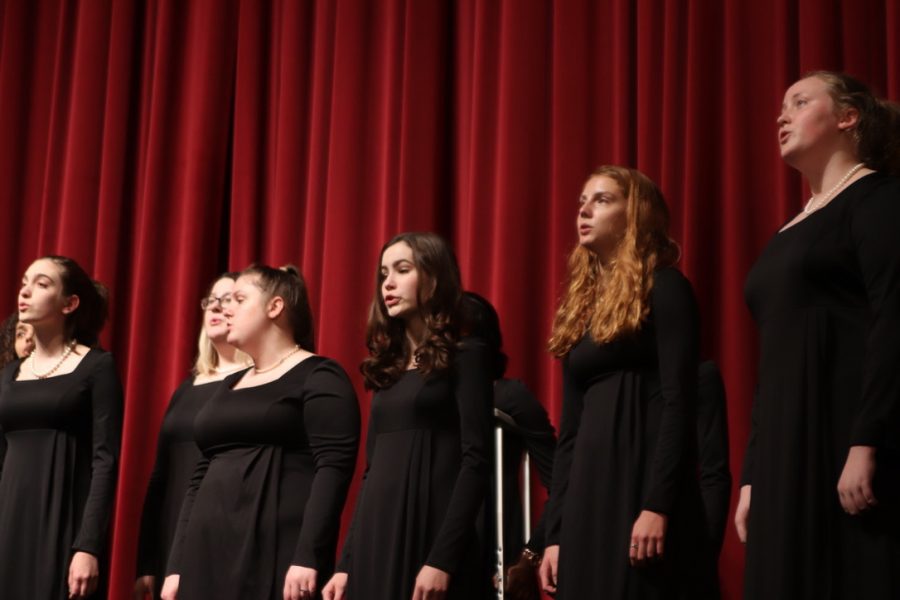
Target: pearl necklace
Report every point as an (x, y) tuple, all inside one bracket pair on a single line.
[(810, 207), (69, 349), (257, 370)]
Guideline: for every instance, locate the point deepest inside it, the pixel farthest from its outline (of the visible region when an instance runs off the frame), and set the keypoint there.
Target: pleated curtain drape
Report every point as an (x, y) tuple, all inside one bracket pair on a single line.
[(162, 142)]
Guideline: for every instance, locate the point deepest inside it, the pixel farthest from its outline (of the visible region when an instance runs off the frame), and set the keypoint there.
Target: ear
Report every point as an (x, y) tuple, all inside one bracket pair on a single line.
[(848, 119), (275, 307), (70, 304)]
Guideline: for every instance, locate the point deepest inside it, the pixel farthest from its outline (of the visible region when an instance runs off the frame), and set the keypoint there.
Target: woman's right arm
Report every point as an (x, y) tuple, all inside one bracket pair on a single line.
[(573, 405)]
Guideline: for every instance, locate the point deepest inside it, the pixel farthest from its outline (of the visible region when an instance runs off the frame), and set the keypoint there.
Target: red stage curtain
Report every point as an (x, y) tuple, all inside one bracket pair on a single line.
[(161, 142)]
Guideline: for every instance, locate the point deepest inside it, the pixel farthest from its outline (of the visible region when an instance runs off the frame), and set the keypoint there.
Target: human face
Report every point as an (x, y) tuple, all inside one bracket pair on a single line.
[(247, 314), (213, 317), (24, 339), (601, 219), (41, 298), (808, 125), (399, 281)]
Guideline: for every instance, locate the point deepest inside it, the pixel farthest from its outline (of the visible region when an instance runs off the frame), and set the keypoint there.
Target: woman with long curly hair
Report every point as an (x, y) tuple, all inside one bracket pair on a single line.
[(823, 460), (414, 529), (625, 518)]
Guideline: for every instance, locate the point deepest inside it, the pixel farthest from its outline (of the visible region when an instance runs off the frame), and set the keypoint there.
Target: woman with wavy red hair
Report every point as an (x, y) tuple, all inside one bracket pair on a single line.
[(625, 515), (428, 447)]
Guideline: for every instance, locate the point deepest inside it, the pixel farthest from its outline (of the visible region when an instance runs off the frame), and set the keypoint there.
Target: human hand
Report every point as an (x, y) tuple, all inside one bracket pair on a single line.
[(170, 588), (336, 587), (647, 537), (143, 588), (549, 568), (855, 484), (299, 583), (742, 513), (84, 573), (431, 584)]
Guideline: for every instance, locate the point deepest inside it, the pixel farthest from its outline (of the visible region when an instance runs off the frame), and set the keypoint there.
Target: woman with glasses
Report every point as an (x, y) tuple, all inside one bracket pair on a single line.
[(61, 417), (261, 515), (176, 452)]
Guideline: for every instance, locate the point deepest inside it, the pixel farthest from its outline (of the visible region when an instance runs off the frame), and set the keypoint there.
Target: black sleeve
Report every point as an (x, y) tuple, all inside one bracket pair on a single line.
[(573, 404), (331, 419), (184, 517), (712, 451), (747, 465), (517, 401), (150, 537), (874, 232), (473, 394), (343, 565), (539, 439), (674, 314), (106, 432)]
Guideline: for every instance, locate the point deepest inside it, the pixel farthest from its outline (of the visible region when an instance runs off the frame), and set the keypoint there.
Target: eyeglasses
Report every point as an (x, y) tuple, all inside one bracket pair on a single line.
[(210, 302)]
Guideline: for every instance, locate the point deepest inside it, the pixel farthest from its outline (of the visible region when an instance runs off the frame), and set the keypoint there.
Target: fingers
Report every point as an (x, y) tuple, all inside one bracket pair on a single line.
[(547, 574), (644, 548), (858, 498)]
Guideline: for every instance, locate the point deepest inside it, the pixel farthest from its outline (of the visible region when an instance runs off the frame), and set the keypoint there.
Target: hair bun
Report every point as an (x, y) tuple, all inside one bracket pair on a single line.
[(290, 269)]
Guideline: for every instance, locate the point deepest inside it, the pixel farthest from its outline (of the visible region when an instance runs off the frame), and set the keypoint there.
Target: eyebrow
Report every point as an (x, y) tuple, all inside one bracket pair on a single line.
[(37, 275), (397, 262)]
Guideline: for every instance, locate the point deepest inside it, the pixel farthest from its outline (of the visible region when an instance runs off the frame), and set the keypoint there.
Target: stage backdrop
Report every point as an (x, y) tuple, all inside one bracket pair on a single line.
[(162, 142)]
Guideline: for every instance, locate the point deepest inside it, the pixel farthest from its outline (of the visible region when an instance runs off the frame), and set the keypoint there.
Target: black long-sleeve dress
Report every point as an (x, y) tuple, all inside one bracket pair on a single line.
[(825, 294), (58, 478), (428, 452), (514, 398), (269, 490), (177, 455), (627, 444), (712, 452)]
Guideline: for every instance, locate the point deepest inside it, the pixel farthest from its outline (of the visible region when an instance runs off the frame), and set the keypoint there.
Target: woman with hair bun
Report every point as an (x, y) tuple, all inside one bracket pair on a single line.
[(625, 517), (414, 535), (279, 440), (177, 453), (823, 459), (61, 416)]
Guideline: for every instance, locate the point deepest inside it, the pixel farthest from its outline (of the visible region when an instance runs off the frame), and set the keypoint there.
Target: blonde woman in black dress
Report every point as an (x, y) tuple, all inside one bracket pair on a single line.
[(819, 505), (176, 451), (61, 416)]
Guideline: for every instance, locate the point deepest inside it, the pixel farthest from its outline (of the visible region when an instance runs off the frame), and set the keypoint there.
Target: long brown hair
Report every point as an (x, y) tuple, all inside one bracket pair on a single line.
[(611, 300), (85, 322), (439, 298), (877, 132)]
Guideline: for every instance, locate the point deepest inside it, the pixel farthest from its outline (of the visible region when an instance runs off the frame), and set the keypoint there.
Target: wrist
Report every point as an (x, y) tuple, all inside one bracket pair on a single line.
[(533, 558)]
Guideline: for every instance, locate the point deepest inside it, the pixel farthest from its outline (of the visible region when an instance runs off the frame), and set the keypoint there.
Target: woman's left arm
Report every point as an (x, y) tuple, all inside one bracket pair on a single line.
[(106, 419), (331, 418), (473, 394), (873, 228), (676, 322)]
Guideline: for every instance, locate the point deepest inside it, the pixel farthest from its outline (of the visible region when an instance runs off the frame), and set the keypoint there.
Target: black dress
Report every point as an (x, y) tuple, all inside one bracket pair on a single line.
[(627, 443), (268, 493), (712, 452), (428, 451), (825, 295), (58, 478), (177, 455), (538, 438)]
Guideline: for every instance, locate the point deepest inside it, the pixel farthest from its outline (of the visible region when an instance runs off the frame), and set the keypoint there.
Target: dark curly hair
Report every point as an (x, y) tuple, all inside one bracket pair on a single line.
[(8, 339), (439, 300)]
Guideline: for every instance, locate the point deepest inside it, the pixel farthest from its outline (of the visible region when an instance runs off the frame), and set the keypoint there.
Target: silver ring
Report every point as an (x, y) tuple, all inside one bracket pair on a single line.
[(634, 546)]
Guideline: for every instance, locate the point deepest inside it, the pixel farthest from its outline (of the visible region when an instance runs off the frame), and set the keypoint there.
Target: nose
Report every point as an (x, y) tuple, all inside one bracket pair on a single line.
[(388, 282), (782, 119), (584, 210), (25, 291)]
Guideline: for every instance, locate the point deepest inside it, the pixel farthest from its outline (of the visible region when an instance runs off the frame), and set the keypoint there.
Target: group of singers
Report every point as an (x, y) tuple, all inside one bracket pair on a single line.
[(258, 446)]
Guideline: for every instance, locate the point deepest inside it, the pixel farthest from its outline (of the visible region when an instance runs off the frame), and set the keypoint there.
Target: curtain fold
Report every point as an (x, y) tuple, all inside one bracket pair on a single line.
[(159, 143)]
